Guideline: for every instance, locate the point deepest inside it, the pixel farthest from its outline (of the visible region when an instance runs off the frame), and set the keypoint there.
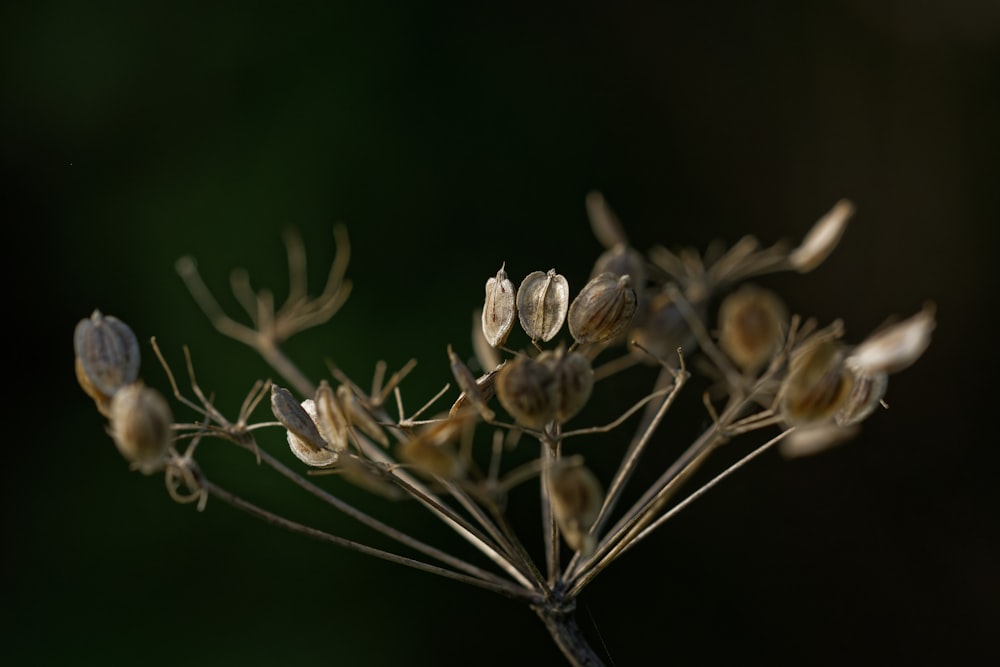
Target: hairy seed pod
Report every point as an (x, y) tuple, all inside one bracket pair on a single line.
[(330, 418), (499, 308), (817, 385), (752, 322), (525, 389), (542, 301), (573, 382), (576, 501), (603, 309), (866, 394), (140, 426), (107, 356)]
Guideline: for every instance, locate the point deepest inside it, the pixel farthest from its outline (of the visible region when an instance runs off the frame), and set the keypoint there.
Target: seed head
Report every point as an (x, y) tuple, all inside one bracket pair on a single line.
[(542, 301), (603, 309), (140, 426)]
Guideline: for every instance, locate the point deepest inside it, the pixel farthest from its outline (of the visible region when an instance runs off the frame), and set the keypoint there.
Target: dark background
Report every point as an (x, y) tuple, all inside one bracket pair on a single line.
[(450, 139)]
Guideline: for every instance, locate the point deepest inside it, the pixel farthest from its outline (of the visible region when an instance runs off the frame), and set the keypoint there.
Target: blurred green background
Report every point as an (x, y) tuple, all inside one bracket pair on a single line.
[(450, 138)]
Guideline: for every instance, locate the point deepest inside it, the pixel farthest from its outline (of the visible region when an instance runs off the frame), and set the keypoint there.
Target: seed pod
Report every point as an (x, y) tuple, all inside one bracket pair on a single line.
[(140, 426), (603, 222), (303, 435), (895, 347), (542, 301), (576, 501), (499, 309), (330, 418), (812, 439), (602, 309), (817, 385), (359, 417), (432, 450), (525, 389), (469, 386), (866, 394), (107, 356), (621, 260), (752, 323), (573, 382), (824, 236)]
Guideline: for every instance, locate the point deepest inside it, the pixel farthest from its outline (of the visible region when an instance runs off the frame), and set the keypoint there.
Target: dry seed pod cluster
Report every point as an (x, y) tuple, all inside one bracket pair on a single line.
[(107, 360)]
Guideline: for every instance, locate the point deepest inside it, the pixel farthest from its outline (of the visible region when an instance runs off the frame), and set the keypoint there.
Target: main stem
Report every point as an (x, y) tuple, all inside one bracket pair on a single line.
[(561, 624)]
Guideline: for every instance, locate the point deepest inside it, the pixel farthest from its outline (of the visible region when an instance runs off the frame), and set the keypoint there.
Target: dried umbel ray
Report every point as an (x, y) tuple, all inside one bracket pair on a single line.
[(773, 371)]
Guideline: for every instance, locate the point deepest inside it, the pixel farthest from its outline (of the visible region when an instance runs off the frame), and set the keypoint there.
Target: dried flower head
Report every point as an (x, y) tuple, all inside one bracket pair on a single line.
[(542, 301), (140, 426), (603, 309)]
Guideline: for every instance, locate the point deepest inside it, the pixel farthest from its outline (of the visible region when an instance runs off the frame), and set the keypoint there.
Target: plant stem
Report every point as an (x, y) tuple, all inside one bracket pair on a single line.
[(562, 626)]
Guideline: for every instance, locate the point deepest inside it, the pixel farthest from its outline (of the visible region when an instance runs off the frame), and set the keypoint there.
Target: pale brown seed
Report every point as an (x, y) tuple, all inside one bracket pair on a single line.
[(824, 236), (542, 301), (107, 355), (525, 389), (432, 450), (603, 309), (752, 323), (140, 426), (608, 230), (622, 260), (330, 418), (307, 451), (499, 309), (817, 385)]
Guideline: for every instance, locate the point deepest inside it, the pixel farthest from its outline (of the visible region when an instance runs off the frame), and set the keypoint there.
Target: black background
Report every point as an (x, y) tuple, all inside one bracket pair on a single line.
[(450, 138)]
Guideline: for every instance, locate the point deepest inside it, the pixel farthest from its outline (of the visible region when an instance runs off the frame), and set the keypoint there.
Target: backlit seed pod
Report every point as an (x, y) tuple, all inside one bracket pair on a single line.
[(107, 356), (817, 385), (140, 426), (573, 382), (499, 308), (866, 395), (542, 301), (432, 450), (359, 417), (298, 419), (822, 238), (752, 323), (603, 309), (576, 501), (486, 387), (525, 389), (330, 418), (897, 346), (306, 450)]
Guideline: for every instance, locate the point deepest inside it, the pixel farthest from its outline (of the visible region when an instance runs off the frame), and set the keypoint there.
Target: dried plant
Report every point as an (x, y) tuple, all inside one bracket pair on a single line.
[(773, 372)]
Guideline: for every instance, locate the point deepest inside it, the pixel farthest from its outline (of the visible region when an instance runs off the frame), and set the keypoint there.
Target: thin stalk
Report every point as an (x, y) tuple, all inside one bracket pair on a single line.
[(496, 585)]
